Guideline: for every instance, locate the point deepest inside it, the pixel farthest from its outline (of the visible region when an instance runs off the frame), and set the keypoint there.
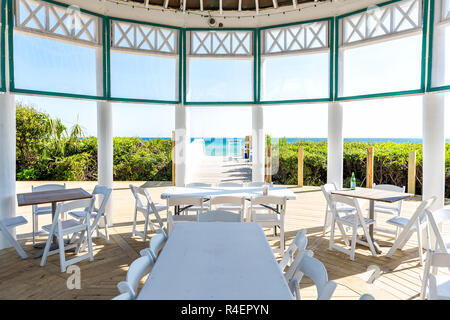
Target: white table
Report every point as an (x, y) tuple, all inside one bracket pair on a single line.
[(215, 261), (247, 192)]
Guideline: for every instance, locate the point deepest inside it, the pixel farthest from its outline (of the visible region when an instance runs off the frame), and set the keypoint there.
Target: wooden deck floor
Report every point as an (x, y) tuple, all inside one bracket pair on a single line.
[(25, 279)]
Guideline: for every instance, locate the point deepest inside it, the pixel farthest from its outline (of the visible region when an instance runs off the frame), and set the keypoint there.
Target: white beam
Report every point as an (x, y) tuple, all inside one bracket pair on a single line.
[(201, 5), (335, 156), (220, 7), (166, 3), (184, 5), (182, 143), (146, 3), (258, 143), (7, 161), (275, 3), (294, 4), (433, 148), (240, 5), (257, 6)]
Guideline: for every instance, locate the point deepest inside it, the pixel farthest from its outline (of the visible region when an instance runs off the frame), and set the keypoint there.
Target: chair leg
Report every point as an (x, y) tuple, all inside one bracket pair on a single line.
[(419, 240), (13, 242), (47, 247), (146, 226), (35, 227), (62, 258), (89, 241), (133, 232), (282, 239), (106, 228), (333, 225), (326, 222), (353, 248)]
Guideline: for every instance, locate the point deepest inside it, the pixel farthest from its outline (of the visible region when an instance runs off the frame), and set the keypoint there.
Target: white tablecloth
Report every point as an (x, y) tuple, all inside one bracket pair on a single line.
[(216, 260)]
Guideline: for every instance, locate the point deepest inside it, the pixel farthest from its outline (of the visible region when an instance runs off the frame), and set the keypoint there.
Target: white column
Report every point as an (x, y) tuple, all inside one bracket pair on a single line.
[(105, 150), (182, 143), (335, 157), (433, 148), (7, 160), (258, 143)]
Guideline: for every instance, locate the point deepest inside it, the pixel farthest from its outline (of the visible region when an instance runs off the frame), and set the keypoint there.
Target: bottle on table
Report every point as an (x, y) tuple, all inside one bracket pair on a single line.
[(353, 182)]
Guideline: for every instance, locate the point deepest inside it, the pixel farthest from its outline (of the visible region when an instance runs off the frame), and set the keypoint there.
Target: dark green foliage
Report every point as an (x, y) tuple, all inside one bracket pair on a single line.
[(390, 166), (47, 151)]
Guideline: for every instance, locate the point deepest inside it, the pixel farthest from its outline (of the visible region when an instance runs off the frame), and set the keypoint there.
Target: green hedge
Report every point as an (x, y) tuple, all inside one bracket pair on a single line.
[(390, 166)]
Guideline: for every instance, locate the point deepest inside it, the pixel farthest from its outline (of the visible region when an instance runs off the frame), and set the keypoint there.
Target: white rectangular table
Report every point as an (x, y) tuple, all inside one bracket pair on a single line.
[(216, 261), (247, 192)]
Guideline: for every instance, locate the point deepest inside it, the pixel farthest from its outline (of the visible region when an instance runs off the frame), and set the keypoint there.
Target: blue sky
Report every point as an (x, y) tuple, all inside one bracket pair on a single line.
[(43, 64)]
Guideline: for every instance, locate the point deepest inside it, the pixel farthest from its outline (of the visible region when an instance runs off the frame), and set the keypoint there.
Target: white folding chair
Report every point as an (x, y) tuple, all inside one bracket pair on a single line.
[(138, 269), (418, 223), (197, 185), (276, 207), (219, 216), (367, 296), (9, 223), (354, 221), (38, 210), (258, 184), (435, 286), (228, 203), (102, 195), (181, 203), (230, 184), (436, 219), (316, 271), (387, 208), (61, 228), (156, 244), (147, 209), (341, 208)]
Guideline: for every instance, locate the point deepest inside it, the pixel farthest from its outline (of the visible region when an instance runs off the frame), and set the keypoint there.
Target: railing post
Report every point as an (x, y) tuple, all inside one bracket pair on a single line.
[(300, 167), (370, 160), (412, 172), (173, 158), (268, 164)]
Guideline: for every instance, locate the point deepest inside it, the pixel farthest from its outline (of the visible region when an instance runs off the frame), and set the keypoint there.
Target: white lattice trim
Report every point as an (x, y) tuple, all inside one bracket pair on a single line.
[(381, 21), (46, 18), (143, 37), (221, 43), (308, 36)]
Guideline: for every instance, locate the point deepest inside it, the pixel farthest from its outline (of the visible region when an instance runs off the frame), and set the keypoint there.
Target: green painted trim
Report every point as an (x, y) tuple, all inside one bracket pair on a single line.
[(2, 44), (296, 101), (294, 23), (256, 66), (106, 58), (145, 23), (143, 100), (365, 9), (220, 29), (258, 98), (331, 23), (213, 103), (56, 94), (441, 88), (56, 3), (379, 95), (336, 60), (11, 44), (423, 62), (180, 67), (184, 63), (430, 47)]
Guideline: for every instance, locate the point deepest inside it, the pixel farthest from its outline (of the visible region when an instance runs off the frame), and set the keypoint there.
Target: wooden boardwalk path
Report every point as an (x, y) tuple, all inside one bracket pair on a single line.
[(209, 169), (25, 279)]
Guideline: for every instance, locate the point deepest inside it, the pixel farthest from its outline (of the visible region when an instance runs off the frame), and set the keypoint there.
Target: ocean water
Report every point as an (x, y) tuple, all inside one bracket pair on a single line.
[(233, 146)]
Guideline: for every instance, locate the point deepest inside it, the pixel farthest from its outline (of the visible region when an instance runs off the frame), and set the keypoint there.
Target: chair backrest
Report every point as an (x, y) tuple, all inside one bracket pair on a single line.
[(138, 269), (298, 244), (268, 200), (141, 194), (185, 201), (433, 260), (258, 184), (393, 188), (104, 193), (316, 271), (435, 219), (240, 201), (46, 187), (197, 185), (156, 244), (352, 202), (230, 184), (366, 296), (420, 213), (86, 205), (219, 216), (326, 190)]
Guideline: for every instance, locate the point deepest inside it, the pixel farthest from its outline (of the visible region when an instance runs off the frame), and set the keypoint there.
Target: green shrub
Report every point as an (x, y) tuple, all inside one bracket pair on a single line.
[(77, 167)]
